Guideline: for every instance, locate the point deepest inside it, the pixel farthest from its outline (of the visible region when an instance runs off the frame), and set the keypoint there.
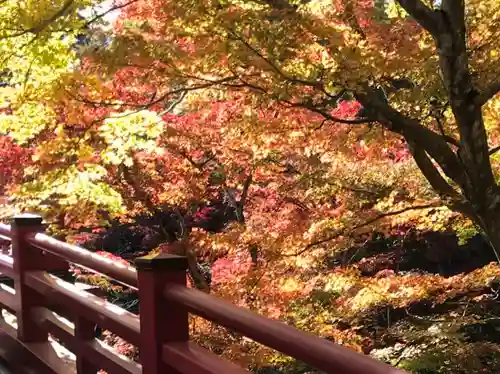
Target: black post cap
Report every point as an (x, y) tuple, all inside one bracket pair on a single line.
[(27, 219), (161, 261)]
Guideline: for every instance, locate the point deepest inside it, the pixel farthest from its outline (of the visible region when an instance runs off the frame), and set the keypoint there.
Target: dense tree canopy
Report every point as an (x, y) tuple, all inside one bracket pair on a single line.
[(273, 139)]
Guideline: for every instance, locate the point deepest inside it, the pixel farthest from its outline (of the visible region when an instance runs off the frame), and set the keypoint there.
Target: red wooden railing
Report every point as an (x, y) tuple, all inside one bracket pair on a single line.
[(161, 330)]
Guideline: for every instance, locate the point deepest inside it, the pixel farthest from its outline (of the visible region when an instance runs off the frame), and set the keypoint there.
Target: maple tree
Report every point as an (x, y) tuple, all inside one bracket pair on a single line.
[(313, 55)]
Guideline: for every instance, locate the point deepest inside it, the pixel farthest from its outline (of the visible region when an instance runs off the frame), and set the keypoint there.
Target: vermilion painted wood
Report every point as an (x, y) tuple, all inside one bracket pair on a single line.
[(45, 353), (123, 274), (26, 258), (5, 230), (105, 358), (46, 319), (6, 265), (30, 358), (8, 299), (95, 309), (109, 360), (7, 268), (24, 361), (84, 333), (320, 353), (161, 321), (191, 358)]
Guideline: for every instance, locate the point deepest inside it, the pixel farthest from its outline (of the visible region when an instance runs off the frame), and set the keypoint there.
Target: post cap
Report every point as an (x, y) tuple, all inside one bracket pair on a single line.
[(161, 261), (27, 219)]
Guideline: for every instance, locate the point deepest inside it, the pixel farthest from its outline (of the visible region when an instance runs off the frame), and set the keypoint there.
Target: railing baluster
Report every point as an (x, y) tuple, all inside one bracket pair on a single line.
[(84, 331), (161, 321), (26, 258)]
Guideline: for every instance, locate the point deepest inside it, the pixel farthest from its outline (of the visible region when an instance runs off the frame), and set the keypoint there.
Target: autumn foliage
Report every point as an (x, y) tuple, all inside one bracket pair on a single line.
[(13, 160)]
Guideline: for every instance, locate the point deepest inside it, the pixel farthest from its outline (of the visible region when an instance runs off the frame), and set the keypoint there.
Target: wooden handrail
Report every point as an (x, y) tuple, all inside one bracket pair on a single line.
[(161, 331), (126, 275), (320, 353), (6, 265), (8, 298), (191, 358), (5, 230)]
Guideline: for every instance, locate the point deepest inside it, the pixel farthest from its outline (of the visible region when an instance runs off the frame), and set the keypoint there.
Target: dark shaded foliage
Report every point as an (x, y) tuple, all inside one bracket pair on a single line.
[(431, 252), (147, 232)]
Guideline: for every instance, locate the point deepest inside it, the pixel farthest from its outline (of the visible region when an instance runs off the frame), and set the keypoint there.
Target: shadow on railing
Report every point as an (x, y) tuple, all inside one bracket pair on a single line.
[(41, 300)]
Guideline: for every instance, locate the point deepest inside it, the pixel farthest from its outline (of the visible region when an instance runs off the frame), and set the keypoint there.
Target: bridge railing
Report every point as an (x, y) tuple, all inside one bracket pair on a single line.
[(43, 304)]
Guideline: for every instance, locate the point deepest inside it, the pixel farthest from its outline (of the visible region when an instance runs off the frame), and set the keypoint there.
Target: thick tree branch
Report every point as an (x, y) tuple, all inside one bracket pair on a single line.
[(449, 195), (488, 94), (432, 174), (424, 15), (433, 143), (174, 104), (464, 100), (184, 248), (239, 205), (61, 12), (455, 13)]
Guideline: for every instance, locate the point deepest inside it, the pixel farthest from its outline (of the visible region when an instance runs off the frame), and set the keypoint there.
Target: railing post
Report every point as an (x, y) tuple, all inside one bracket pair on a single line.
[(160, 321), (84, 332), (26, 258)]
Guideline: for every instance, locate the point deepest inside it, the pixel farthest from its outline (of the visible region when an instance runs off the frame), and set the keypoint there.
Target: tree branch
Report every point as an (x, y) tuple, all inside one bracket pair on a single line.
[(57, 15), (494, 150), (246, 187), (240, 205), (488, 94), (430, 172), (175, 149), (44, 24), (451, 43), (424, 15), (130, 176), (438, 115), (455, 13), (157, 100), (351, 19), (112, 9), (433, 143), (327, 115), (294, 80), (172, 106), (341, 232)]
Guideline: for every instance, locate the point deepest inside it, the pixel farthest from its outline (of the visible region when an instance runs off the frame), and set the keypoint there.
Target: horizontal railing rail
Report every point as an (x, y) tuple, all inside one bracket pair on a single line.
[(77, 302), (126, 275), (4, 231), (40, 300), (320, 353)]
